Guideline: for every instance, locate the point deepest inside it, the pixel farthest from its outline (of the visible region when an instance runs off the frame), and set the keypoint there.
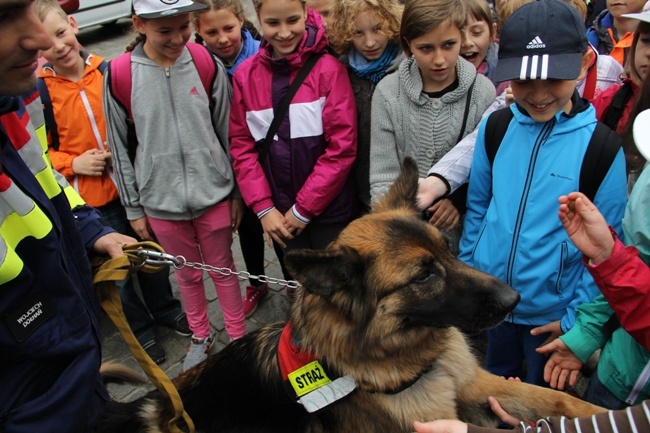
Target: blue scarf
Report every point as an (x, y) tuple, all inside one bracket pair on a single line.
[(373, 70), (249, 47)]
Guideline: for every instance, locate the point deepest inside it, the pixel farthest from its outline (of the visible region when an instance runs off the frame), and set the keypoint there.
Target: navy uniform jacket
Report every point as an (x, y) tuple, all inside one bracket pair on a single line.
[(50, 342)]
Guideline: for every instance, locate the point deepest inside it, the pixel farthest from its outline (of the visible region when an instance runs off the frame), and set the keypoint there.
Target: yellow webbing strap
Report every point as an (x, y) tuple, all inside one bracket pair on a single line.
[(108, 271)]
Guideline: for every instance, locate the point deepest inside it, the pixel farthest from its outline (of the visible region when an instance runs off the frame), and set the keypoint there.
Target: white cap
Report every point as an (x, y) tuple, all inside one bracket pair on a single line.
[(164, 8), (641, 132)]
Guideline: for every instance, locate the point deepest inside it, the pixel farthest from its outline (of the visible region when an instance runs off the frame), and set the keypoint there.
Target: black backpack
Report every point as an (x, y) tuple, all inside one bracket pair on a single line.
[(601, 151)]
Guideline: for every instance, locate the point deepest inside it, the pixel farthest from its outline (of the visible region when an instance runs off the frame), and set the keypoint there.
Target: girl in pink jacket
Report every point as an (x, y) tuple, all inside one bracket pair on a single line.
[(302, 189)]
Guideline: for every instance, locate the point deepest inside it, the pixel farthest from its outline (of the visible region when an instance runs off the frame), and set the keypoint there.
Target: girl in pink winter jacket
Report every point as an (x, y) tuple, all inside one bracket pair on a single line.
[(303, 190)]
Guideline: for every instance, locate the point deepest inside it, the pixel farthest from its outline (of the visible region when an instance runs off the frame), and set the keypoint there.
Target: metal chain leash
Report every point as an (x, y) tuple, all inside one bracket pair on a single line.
[(150, 257)]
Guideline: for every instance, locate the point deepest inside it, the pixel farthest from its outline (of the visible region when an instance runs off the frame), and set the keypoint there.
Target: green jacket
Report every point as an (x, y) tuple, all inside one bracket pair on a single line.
[(624, 365), (636, 223)]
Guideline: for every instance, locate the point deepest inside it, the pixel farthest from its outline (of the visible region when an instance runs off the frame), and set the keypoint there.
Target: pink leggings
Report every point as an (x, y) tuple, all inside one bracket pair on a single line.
[(206, 239)]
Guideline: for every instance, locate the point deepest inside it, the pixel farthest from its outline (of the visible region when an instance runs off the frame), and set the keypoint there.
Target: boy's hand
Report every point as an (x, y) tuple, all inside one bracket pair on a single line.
[(586, 226), (444, 215), (90, 163), (561, 365), (429, 190), (554, 330)]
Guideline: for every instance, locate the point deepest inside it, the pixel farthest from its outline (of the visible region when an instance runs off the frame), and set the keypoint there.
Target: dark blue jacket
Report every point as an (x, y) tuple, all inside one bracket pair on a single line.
[(50, 342)]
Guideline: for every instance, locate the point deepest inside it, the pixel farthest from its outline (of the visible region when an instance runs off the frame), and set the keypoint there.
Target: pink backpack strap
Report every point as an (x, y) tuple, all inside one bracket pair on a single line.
[(205, 64), (120, 82)]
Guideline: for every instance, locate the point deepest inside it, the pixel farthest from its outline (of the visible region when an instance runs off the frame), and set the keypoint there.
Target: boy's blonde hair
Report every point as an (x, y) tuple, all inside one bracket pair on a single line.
[(257, 4), (422, 16), (343, 17), (43, 7), (507, 8)]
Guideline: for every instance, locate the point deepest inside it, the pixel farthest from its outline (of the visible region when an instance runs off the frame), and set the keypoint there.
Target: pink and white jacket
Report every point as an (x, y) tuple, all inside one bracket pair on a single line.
[(309, 163)]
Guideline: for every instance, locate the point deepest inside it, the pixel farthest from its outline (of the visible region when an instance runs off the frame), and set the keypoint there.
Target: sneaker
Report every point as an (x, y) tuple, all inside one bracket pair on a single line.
[(180, 325), (198, 351), (155, 352), (252, 298)]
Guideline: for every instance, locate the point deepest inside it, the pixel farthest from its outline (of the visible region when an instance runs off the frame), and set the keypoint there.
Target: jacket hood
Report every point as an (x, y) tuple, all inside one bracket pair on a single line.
[(409, 75), (313, 41), (603, 20), (249, 47)]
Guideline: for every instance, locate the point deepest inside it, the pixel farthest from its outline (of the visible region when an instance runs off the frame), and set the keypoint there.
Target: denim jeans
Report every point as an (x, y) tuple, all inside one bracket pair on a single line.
[(598, 394), (159, 305), (509, 346)]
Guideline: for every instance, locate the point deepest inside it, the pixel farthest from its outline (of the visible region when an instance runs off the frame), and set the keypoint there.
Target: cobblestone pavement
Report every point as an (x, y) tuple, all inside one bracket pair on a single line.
[(273, 307)]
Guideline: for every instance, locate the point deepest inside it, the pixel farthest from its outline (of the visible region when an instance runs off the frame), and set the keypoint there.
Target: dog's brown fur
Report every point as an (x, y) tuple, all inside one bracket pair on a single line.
[(384, 304)]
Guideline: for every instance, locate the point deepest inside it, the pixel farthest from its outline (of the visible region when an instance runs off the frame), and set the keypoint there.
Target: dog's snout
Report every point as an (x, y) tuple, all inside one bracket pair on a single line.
[(508, 297)]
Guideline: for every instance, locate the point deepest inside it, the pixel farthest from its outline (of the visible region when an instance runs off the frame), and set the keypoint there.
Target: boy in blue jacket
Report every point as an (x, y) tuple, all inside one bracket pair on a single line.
[(510, 228)]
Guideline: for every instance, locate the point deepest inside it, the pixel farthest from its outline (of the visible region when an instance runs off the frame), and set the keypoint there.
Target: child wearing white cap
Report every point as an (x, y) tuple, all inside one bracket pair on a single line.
[(177, 185), (510, 230)]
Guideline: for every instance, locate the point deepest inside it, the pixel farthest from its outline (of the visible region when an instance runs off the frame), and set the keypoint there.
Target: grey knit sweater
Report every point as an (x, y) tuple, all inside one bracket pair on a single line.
[(407, 122)]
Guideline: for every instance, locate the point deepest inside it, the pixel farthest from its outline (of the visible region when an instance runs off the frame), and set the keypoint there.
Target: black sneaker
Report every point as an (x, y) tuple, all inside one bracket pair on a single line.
[(155, 352), (180, 325)]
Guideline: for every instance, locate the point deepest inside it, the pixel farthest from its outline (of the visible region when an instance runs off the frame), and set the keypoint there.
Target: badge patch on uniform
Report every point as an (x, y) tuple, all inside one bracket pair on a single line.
[(30, 315), (305, 378)]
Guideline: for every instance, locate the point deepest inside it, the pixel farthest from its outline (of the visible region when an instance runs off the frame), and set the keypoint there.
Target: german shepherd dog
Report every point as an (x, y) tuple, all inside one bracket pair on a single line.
[(383, 306)]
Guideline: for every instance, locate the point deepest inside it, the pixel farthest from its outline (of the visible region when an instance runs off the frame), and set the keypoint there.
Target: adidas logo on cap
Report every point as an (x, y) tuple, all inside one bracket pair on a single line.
[(535, 43)]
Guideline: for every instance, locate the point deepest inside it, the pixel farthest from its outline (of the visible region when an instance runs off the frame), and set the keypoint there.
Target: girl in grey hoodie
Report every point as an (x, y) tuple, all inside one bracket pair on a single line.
[(179, 185)]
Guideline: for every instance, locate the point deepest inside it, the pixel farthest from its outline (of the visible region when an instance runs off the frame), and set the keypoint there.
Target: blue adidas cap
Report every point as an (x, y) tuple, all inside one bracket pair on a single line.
[(542, 40)]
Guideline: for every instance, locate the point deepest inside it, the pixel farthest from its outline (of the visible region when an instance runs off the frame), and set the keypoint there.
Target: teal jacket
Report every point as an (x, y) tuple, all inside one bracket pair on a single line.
[(624, 365)]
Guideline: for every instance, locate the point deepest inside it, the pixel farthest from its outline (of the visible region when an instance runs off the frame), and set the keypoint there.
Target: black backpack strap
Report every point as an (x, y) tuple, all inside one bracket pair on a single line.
[(466, 114), (615, 111), (601, 152), (283, 106), (102, 67), (48, 113), (495, 129)]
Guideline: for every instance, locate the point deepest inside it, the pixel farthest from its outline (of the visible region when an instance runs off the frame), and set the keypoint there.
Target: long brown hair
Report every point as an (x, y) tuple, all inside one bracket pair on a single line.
[(634, 161)]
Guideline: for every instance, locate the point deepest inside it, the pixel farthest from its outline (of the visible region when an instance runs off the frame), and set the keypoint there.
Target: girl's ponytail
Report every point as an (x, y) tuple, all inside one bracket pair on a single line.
[(139, 38)]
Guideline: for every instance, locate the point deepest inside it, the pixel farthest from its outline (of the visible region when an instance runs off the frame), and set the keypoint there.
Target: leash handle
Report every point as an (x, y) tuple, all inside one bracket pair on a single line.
[(111, 270)]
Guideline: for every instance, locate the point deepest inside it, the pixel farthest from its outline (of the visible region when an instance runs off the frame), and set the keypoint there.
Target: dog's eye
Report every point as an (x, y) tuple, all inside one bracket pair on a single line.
[(423, 276)]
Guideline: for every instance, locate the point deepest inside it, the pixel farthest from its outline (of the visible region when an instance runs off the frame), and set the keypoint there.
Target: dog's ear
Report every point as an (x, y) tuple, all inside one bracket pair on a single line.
[(326, 271), (403, 193)]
